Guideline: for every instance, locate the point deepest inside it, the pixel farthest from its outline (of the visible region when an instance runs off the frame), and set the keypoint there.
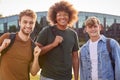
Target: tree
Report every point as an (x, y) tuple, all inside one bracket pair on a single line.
[(12, 28)]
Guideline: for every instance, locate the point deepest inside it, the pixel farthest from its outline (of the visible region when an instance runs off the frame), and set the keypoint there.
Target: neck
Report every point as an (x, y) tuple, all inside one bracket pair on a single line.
[(61, 27), (93, 39), (23, 36)]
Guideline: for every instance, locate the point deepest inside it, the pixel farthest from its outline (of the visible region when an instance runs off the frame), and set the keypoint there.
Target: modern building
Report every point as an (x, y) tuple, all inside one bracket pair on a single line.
[(10, 23)]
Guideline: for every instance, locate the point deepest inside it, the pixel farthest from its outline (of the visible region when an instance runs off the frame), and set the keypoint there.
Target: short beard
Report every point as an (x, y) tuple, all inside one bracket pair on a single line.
[(27, 34)]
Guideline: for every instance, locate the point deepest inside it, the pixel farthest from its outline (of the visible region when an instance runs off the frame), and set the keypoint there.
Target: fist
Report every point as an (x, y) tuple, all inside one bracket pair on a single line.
[(58, 40), (37, 51), (5, 43)]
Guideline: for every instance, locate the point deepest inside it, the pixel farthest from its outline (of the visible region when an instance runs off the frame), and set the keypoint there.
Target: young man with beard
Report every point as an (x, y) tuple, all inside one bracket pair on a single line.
[(59, 44), (16, 62), (96, 61)]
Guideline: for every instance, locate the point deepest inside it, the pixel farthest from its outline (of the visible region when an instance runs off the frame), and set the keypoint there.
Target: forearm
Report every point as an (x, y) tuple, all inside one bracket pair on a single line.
[(76, 67), (47, 48), (1, 49), (35, 66)]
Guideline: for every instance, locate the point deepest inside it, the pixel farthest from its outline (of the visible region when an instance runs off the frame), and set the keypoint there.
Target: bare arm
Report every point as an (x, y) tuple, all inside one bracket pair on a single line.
[(35, 65), (5, 43), (75, 62), (49, 47), (44, 49)]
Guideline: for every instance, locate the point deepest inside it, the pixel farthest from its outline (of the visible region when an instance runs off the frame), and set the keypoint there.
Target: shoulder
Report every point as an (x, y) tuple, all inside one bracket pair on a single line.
[(72, 31), (84, 46), (84, 49), (113, 42), (46, 28)]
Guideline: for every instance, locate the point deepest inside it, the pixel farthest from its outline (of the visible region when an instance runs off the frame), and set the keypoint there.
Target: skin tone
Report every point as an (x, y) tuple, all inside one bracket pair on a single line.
[(62, 19), (35, 65), (93, 32), (27, 25)]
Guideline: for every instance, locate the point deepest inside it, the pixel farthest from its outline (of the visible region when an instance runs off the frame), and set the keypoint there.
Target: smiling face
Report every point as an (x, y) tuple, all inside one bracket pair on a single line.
[(27, 25), (94, 30), (93, 27), (62, 18)]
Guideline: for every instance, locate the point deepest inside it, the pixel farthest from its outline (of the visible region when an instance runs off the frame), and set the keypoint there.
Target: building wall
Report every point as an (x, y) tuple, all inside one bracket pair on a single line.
[(10, 23)]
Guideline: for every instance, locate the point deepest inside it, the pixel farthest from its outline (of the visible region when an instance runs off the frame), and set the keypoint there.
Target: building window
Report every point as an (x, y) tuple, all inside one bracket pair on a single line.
[(109, 22), (81, 21), (1, 28), (12, 26), (101, 20), (118, 20), (39, 19)]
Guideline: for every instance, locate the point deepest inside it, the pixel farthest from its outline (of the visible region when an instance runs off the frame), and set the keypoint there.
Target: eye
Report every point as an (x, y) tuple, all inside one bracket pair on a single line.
[(95, 26), (25, 22), (31, 22), (89, 26), (60, 15)]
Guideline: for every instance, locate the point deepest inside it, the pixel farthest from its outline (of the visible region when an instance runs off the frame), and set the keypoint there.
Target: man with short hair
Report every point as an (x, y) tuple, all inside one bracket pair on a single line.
[(16, 62), (95, 60)]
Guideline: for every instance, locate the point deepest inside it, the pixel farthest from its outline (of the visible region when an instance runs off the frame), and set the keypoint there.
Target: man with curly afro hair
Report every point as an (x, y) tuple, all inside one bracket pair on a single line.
[(59, 44)]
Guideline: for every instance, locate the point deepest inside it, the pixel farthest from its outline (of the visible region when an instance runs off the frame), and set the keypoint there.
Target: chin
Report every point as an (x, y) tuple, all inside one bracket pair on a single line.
[(27, 33), (94, 35)]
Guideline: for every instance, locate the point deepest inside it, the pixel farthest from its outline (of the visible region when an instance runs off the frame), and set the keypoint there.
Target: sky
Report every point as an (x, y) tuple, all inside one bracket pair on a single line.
[(12, 7)]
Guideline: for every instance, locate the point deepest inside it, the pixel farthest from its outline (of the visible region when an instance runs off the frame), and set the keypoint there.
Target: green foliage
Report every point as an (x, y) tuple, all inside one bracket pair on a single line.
[(12, 28)]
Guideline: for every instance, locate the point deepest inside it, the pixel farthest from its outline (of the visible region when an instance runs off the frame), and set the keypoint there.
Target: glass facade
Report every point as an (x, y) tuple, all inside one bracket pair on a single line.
[(118, 20), (101, 19), (11, 25), (1, 28), (109, 22), (106, 20), (81, 21), (41, 15)]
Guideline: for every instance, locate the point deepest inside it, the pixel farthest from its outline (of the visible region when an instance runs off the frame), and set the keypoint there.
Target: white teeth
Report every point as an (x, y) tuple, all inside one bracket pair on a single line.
[(62, 21)]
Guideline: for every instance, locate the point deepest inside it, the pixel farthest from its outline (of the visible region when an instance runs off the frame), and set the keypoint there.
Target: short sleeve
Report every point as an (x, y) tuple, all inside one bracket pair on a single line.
[(76, 45), (43, 36)]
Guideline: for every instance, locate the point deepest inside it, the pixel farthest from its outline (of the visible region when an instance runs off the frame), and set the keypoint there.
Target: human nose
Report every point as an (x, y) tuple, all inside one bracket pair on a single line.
[(28, 24), (92, 28)]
